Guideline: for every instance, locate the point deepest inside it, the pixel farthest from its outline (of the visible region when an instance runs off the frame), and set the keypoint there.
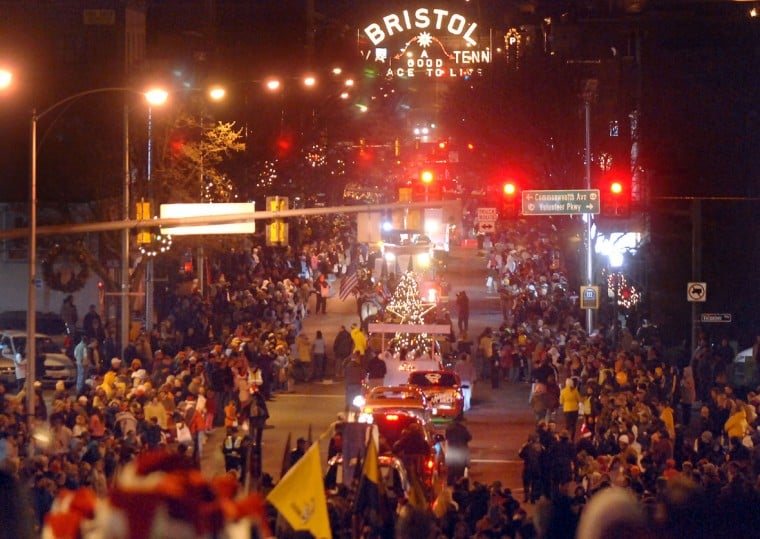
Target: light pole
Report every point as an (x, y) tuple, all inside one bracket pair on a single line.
[(126, 316), (589, 91), (155, 97), (31, 313)]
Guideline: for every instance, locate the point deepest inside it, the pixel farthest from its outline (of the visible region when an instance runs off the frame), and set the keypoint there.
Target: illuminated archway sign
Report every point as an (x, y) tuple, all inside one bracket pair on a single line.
[(424, 42)]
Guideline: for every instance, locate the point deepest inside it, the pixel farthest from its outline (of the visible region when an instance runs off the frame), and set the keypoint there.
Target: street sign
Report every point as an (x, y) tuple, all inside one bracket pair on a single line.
[(696, 291), (560, 202), (716, 317), (488, 215), (589, 297), (487, 218), (486, 228)]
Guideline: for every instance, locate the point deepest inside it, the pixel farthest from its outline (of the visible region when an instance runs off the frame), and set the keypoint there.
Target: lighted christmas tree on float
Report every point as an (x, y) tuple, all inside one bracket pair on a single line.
[(407, 308)]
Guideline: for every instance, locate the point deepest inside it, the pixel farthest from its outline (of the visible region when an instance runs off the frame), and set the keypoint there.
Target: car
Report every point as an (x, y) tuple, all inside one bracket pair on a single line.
[(398, 371), (50, 324), (390, 427), (404, 398), (443, 390), (52, 363)]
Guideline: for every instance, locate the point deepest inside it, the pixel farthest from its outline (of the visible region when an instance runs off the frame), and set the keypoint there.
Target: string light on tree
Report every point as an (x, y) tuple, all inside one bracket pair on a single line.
[(221, 189), (627, 294), (315, 156), (407, 307), (268, 175)]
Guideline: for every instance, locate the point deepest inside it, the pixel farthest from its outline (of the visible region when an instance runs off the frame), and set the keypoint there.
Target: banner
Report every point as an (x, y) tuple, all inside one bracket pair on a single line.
[(300, 496)]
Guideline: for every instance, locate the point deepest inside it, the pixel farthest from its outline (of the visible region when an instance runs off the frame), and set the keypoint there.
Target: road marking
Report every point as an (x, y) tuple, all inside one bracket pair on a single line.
[(496, 461)]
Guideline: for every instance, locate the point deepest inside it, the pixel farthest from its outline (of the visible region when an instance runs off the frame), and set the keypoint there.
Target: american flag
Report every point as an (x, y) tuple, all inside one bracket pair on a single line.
[(348, 283)]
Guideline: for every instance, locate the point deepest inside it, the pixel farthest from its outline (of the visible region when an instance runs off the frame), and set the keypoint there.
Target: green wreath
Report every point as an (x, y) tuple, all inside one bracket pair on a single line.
[(74, 255)]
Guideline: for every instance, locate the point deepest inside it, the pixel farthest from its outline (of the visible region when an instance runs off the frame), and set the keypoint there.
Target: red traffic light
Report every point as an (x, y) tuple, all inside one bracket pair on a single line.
[(616, 198), (509, 205)]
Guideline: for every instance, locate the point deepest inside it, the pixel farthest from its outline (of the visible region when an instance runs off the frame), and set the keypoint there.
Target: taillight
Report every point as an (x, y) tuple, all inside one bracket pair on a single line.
[(430, 464), (391, 417)]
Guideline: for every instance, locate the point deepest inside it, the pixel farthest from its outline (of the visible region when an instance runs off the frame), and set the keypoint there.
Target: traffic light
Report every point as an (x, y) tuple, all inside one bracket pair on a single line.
[(277, 229), (144, 235), (615, 197), (510, 203), (427, 177)]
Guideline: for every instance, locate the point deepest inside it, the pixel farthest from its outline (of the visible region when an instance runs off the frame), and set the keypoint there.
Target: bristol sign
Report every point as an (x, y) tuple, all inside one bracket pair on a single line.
[(424, 42)]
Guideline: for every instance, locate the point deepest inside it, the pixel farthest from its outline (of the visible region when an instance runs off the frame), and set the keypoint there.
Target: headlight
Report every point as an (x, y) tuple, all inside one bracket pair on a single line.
[(359, 401)]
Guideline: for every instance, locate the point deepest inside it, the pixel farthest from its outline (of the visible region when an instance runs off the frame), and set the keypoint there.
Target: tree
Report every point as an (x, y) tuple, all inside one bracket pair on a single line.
[(194, 162), (407, 308)]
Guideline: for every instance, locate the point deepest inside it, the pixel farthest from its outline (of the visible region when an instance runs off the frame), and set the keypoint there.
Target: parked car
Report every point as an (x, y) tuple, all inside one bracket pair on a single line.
[(52, 364), (50, 324), (443, 390)]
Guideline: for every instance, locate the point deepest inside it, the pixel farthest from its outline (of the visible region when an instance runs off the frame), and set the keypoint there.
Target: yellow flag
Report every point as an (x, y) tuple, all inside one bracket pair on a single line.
[(300, 496)]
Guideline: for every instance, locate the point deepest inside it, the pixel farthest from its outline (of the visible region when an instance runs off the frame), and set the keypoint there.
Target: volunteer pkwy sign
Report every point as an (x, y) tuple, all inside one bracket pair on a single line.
[(560, 202)]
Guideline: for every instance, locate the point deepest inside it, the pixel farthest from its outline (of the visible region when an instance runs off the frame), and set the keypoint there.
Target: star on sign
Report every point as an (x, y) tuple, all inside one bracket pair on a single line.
[(425, 39)]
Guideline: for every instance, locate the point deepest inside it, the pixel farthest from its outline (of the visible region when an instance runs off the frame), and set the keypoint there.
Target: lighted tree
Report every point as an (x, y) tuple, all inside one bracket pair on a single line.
[(194, 156), (407, 308)]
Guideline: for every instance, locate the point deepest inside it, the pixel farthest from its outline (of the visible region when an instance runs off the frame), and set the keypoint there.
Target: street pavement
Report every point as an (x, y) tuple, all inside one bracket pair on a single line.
[(499, 420)]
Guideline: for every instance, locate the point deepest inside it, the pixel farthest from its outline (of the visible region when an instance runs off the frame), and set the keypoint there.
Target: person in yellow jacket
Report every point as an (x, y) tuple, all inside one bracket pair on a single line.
[(667, 417), (736, 426), (360, 340), (569, 399)]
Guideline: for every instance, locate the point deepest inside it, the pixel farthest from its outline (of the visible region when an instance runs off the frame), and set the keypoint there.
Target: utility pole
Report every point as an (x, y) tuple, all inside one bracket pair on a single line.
[(589, 94), (696, 263)]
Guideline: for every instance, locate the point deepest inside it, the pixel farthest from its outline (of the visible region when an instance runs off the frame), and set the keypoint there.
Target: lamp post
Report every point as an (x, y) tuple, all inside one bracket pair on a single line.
[(31, 313), (589, 92), (155, 97)]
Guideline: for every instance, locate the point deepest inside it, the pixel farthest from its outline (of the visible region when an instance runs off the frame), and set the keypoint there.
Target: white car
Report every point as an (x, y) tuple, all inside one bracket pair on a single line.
[(54, 364)]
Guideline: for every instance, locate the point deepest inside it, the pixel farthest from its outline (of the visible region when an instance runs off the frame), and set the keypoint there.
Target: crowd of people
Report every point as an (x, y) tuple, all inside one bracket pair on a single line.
[(210, 363), (660, 441), (615, 410)]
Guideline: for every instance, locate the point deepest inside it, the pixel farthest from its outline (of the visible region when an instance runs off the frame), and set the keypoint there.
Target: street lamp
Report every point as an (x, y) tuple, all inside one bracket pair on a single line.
[(427, 178), (156, 97), (6, 77), (31, 314)]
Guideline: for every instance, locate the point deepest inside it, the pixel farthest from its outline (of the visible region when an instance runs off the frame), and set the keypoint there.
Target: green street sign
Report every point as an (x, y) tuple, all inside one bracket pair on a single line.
[(560, 202)]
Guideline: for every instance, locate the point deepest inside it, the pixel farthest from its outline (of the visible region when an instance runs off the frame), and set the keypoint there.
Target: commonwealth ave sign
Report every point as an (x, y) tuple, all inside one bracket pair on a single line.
[(560, 202)]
